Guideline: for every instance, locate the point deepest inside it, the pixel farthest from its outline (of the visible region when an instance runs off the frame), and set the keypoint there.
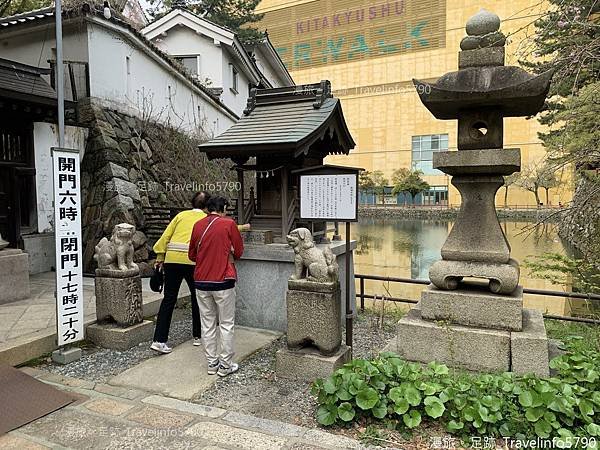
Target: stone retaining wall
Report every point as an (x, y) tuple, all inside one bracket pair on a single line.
[(451, 213), (129, 164), (581, 226)]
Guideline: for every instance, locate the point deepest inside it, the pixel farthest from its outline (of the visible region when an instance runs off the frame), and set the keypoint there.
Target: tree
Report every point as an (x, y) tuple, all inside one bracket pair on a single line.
[(508, 182), (579, 139), (547, 179), (567, 39), (11, 7), (365, 181), (398, 178), (379, 183), (410, 181), (530, 181), (373, 182), (237, 15)]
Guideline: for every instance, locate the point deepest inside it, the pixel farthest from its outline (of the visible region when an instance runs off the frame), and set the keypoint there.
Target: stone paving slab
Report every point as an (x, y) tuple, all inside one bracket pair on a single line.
[(27, 327), (102, 421), (182, 373), (180, 405)]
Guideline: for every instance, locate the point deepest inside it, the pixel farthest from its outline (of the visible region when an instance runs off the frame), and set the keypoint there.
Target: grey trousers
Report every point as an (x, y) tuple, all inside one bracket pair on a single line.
[(217, 306)]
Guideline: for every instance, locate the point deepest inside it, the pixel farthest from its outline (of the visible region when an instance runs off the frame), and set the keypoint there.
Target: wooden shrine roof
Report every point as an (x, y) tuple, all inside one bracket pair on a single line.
[(25, 83), (290, 121)]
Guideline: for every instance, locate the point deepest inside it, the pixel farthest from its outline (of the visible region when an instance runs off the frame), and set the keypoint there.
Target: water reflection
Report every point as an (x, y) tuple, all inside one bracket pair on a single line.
[(407, 248)]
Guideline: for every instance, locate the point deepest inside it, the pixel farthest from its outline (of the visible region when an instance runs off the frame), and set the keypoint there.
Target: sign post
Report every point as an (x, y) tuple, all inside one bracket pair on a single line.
[(330, 193), (68, 242)]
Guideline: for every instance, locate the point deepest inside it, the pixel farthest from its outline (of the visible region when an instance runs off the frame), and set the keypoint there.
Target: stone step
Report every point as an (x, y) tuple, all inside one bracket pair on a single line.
[(471, 305), (472, 348)]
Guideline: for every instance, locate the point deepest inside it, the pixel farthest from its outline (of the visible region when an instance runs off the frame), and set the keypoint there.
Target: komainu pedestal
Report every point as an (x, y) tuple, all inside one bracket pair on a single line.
[(14, 275), (313, 316), (118, 296), (474, 325), (314, 333), (118, 288), (314, 329)]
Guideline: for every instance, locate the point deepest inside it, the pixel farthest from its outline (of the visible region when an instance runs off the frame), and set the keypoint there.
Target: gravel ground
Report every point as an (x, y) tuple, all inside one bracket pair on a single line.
[(256, 391), (100, 364)]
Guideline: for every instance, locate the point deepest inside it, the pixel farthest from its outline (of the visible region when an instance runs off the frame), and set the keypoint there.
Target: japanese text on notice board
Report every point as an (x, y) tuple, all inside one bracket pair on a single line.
[(328, 197)]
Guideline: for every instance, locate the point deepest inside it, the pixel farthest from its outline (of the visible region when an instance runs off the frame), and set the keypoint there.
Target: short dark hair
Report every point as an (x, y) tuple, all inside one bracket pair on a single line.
[(217, 204), (200, 199)]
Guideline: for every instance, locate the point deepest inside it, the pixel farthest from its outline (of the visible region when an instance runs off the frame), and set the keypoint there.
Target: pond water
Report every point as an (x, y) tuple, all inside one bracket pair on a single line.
[(407, 248)]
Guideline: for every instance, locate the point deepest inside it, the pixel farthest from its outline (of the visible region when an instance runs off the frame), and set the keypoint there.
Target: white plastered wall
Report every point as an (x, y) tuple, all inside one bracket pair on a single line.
[(45, 136), (126, 78)]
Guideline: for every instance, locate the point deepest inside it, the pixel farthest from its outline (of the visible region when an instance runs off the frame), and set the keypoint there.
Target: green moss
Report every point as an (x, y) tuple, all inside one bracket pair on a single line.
[(561, 330)]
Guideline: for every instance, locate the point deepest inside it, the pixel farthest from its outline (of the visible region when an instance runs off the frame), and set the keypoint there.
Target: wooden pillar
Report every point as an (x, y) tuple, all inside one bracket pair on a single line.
[(284, 202), (240, 205)]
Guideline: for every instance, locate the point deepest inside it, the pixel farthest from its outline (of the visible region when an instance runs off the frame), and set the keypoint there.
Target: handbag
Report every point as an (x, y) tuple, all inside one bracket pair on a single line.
[(157, 280)]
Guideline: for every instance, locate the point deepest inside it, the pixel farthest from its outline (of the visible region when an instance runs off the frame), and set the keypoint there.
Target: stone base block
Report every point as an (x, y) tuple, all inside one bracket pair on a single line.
[(473, 307), (313, 311), (529, 347), (14, 275), (118, 299), (258, 237), (66, 356), (472, 349), (308, 364), (119, 338)]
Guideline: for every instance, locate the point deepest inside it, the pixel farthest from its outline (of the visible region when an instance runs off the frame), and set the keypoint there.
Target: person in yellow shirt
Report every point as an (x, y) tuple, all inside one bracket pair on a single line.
[(172, 255)]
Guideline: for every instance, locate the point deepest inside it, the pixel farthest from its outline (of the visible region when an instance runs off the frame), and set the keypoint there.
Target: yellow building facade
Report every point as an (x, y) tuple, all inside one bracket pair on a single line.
[(371, 51)]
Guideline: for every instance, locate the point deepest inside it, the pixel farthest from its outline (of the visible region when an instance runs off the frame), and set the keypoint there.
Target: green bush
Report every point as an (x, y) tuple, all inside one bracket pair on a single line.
[(499, 405)]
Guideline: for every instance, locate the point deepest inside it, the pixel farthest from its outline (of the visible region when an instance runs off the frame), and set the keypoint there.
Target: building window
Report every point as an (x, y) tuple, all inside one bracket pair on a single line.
[(423, 148), (191, 64), (234, 78), (436, 195)]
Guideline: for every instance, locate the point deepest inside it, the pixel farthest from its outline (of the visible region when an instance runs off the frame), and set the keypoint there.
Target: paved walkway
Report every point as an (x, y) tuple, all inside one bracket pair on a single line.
[(187, 365), (27, 327), (109, 417)]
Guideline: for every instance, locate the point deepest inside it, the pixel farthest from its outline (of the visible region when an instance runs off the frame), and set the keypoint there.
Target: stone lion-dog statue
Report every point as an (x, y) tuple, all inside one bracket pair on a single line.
[(117, 254), (311, 263)]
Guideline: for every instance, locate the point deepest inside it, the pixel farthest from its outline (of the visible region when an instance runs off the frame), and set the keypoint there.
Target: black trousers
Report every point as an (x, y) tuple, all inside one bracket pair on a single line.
[(174, 275)]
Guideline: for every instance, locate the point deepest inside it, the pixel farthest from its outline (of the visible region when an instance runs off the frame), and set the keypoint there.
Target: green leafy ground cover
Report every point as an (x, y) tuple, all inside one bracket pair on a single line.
[(406, 396)]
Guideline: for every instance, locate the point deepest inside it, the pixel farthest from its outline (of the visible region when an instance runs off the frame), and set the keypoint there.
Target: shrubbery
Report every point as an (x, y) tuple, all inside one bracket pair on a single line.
[(525, 406)]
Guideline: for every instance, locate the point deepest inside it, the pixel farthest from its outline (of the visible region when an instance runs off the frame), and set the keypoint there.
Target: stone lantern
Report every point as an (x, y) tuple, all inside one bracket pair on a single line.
[(483, 330)]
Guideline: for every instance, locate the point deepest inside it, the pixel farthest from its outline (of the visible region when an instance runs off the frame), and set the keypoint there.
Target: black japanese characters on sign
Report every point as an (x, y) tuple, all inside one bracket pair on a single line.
[(69, 269), (329, 196)]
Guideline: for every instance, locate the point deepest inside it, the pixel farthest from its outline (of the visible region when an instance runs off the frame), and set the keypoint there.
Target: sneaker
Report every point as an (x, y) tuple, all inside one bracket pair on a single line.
[(197, 342), (224, 371), (213, 368), (161, 347)]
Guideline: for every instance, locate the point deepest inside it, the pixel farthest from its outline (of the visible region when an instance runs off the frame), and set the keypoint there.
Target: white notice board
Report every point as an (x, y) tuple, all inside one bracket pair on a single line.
[(329, 197), (69, 264)]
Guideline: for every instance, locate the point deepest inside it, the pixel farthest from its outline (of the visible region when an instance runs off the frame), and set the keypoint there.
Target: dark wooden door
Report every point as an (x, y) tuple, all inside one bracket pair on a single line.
[(16, 184), (7, 207)]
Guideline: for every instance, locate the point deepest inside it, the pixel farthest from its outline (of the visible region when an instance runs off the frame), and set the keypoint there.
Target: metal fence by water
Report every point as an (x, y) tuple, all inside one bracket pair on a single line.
[(362, 295)]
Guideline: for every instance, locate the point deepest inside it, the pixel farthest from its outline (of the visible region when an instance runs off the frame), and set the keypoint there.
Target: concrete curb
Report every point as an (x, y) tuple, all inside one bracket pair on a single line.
[(27, 347)]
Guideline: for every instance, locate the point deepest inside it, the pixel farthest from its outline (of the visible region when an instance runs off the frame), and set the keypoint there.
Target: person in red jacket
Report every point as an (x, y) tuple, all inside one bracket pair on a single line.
[(214, 245)]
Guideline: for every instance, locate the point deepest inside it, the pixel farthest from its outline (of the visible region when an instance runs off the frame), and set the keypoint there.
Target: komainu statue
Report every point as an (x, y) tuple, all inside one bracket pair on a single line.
[(117, 254), (312, 263)]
